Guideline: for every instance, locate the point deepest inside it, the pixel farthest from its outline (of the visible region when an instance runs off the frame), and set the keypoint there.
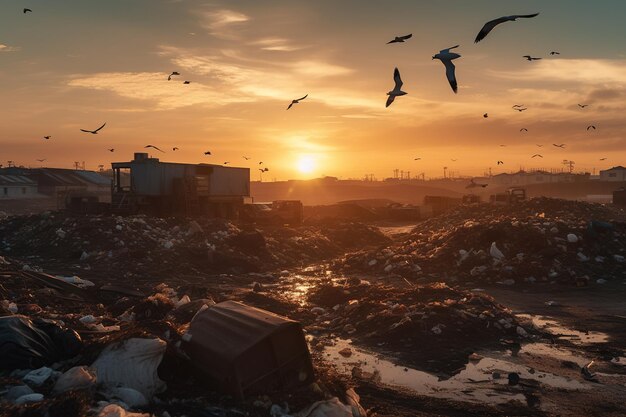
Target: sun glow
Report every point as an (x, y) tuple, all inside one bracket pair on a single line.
[(305, 164)]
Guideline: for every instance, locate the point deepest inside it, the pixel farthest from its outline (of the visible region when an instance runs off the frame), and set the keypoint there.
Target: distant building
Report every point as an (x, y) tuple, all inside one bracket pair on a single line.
[(617, 173), (17, 187), (523, 178)]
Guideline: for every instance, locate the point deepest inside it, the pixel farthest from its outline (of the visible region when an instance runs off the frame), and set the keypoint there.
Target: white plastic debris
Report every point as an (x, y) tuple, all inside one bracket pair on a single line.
[(84, 256), (131, 397), (183, 300), (572, 238), (18, 391), (495, 252), (61, 233), (12, 308), (132, 364), (114, 410), (83, 283), (38, 376), (168, 244), (29, 398), (601, 281), (437, 329), (79, 377), (521, 331), (618, 258), (88, 319), (328, 408)]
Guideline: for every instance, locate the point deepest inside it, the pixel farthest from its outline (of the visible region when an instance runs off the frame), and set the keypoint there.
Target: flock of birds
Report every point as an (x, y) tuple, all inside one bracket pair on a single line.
[(446, 56)]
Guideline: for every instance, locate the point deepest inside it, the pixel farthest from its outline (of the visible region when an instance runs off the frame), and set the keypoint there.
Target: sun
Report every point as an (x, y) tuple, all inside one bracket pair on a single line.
[(306, 164)]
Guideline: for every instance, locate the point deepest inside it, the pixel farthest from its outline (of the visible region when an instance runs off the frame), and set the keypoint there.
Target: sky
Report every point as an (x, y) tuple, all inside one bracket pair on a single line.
[(75, 64)]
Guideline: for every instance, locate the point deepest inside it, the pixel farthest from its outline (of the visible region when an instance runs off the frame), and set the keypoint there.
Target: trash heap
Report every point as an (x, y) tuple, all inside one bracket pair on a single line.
[(432, 327), (136, 245), (538, 241)]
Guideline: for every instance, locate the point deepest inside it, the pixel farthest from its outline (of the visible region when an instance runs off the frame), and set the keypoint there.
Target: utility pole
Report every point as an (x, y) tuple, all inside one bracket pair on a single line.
[(569, 164), (444, 172)]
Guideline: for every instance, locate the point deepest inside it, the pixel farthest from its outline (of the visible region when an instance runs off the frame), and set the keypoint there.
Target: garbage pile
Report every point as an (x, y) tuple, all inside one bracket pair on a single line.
[(127, 246), (538, 241), (433, 327)]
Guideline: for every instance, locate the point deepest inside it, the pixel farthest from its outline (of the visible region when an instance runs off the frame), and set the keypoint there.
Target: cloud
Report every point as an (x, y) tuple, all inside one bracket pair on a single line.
[(6, 48), (588, 71), (221, 23), (275, 44)]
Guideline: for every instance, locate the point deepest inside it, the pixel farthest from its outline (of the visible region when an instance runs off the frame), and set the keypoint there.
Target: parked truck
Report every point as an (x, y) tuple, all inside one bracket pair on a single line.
[(511, 196)]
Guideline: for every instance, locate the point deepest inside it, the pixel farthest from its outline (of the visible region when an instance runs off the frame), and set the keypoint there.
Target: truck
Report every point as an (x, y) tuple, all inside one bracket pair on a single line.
[(512, 195)]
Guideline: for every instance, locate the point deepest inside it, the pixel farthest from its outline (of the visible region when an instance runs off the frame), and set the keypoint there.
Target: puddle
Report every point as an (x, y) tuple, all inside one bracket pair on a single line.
[(544, 349), (297, 288), (555, 328), (476, 383)]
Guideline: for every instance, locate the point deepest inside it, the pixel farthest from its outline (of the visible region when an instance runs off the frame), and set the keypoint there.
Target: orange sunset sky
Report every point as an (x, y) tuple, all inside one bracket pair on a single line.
[(79, 63)]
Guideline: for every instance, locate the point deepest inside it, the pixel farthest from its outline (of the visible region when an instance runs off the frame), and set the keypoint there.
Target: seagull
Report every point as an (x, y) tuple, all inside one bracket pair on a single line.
[(488, 27), (207, 153), (446, 57), (485, 115), (500, 163), (93, 132), (602, 159), (518, 105), (502, 146), (562, 145), (187, 82), (154, 147), (40, 160), (397, 89), (521, 109), (400, 38), (523, 129), (174, 148), (226, 163), (47, 137), (540, 146), (296, 101), (582, 106), (172, 74), (530, 58), (555, 53), (537, 155), (495, 252), (261, 163), (454, 160), (591, 127), (112, 150), (264, 169), (246, 158), (417, 159), (27, 10)]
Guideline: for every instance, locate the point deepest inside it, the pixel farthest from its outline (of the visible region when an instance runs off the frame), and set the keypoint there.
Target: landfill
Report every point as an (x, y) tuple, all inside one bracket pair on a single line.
[(103, 315)]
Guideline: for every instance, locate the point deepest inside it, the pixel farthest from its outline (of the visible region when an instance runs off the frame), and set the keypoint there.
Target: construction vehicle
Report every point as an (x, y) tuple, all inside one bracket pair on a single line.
[(513, 195)]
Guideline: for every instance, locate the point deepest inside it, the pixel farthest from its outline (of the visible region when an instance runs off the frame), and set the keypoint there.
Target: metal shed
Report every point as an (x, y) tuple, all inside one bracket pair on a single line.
[(248, 350)]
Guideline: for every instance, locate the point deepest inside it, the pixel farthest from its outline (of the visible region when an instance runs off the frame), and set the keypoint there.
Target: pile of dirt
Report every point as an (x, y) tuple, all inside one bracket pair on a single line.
[(129, 246), (540, 240)]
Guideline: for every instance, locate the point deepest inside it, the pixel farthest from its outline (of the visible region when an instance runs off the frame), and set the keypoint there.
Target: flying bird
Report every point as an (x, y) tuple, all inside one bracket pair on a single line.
[(591, 127), (473, 184), (207, 153), (261, 163), (582, 106), (264, 169), (93, 132), (537, 156), (521, 109), (417, 159), (187, 82), (296, 101), (488, 27), (523, 129), (172, 74), (602, 159), (541, 146), (500, 162), (485, 115), (562, 145), (454, 160), (226, 163), (174, 148), (397, 89), (502, 146), (446, 57), (530, 58), (27, 10), (41, 160), (400, 38), (518, 105), (555, 53), (112, 150), (246, 158), (153, 147), (47, 137)]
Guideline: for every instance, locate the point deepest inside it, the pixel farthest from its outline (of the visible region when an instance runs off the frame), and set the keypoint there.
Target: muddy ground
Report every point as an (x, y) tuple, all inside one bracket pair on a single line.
[(409, 346)]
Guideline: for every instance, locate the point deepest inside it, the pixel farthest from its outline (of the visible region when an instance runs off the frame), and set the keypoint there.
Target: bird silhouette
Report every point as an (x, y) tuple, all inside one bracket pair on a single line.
[(261, 163), (485, 115), (172, 74), (582, 106), (555, 53), (296, 101), (41, 160), (473, 184), (562, 145), (454, 160), (400, 38), (602, 159), (263, 169), (530, 58), (500, 162), (417, 159), (446, 57), (521, 109), (174, 148), (397, 89), (502, 146), (112, 150), (591, 127), (226, 163), (47, 137), (187, 82), (537, 156), (518, 105), (523, 129), (207, 153), (154, 147), (540, 146), (93, 132), (246, 158), (27, 11), (488, 27)]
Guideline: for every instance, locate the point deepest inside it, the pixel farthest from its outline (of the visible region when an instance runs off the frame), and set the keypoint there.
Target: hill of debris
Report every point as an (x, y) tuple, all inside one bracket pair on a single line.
[(540, 240)]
